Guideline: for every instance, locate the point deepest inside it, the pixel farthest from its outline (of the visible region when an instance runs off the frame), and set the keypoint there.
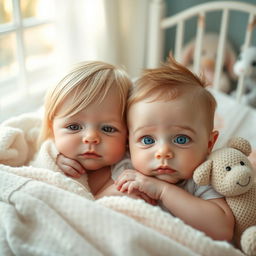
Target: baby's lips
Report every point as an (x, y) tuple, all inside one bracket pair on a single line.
[(165, 170)]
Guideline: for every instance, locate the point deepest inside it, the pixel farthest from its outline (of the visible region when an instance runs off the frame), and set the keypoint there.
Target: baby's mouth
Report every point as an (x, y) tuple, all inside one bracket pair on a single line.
[(91, 155), (165, 170)]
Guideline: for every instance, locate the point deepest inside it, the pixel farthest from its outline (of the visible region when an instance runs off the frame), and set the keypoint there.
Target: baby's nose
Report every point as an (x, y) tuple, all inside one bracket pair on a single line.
[(91, 137), (164, 152)]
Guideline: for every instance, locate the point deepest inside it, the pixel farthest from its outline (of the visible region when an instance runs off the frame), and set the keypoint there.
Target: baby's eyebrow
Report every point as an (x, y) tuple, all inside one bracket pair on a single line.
[(143, 128), (154, 127), (186, 128)]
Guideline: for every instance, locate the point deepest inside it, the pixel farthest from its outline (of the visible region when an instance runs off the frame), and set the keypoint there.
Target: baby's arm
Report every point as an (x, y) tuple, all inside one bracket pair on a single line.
[(110, 189), (69, 166), (213, 217), (74, 169)]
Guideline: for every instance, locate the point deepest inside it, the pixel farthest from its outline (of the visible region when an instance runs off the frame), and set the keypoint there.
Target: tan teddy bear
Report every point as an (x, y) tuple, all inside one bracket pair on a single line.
[(231, 174)]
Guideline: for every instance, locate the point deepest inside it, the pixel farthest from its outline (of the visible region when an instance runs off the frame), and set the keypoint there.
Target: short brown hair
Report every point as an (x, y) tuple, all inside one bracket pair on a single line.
[(169, 81)]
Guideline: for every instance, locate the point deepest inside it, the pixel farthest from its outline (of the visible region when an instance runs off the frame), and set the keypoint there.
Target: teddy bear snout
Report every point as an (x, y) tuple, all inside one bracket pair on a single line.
[(240, 180), (244, 181), (243, 177)]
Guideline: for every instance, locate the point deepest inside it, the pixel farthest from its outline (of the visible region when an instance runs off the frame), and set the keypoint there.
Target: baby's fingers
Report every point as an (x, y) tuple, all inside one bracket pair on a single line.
[(76, 166), (119, 183), (69, 171), (69, 166), (133, 185), (123, 179), (124, 187)]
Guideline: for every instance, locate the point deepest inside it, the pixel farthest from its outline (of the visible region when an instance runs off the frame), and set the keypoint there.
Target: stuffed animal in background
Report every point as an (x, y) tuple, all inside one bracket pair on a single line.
[(231, 174), (246, 65), (208, 60)]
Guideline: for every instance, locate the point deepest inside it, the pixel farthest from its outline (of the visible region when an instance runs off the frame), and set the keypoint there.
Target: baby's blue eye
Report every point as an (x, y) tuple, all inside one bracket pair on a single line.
[(108, 129), (147, 140), (181, 139), (74, 127)]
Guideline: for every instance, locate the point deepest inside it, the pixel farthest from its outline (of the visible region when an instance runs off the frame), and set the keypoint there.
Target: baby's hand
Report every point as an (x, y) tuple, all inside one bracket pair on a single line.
[(139, 195), (69, 166), (131, 180), (111, 190)]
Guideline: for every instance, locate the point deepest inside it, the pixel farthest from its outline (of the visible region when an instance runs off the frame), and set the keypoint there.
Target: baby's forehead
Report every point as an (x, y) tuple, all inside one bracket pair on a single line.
[(183, 110)]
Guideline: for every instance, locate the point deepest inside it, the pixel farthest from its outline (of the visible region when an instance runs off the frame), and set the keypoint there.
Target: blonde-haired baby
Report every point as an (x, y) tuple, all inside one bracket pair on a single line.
[(84, 120), (170, 122)]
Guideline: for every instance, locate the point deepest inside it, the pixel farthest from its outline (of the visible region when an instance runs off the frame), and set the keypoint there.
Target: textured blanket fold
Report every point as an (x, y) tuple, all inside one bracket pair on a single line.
[(43, 212), (18, 139)]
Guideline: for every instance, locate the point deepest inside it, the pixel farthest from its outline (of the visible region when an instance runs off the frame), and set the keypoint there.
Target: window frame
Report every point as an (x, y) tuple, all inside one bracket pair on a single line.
[(19, 103)]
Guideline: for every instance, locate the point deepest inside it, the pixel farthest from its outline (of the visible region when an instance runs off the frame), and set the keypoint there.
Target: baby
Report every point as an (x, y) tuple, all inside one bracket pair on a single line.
[(170, 122), (84, 120)]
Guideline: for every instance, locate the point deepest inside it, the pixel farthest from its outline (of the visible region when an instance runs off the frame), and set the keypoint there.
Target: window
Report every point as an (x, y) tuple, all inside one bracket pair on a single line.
[(27, 53), (41, 39)]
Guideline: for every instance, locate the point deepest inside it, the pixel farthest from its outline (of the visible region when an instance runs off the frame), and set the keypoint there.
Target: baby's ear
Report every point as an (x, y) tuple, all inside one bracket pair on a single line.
[(202, 173), (213, 137)]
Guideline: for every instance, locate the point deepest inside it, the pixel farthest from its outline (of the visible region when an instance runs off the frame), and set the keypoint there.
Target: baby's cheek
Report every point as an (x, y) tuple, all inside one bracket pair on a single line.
[(191, 163), (143, 162), (115, 150), (65, 146)]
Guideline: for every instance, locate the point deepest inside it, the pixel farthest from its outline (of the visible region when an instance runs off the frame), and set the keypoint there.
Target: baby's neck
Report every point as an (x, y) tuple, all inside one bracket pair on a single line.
[(98, 178)]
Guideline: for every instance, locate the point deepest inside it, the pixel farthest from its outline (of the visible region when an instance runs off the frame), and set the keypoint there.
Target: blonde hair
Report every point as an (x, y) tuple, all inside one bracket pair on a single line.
[(171, 81), (86, 83)]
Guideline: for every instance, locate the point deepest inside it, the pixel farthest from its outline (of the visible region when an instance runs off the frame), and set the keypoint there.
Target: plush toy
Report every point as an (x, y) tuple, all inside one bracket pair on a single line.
[(208, 60), (246, 65), (231, 174)]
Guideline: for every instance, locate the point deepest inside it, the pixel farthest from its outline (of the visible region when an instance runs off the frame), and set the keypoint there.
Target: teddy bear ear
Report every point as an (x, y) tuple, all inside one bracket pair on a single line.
[(202, 173), (241, 144)]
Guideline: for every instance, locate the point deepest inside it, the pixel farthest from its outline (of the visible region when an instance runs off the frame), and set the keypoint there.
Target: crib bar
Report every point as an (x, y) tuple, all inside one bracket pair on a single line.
[(179, 40), (158, 24), (156, 34), (212, 6), (249, 30), (221, 47), (199, 42), (247, 41)]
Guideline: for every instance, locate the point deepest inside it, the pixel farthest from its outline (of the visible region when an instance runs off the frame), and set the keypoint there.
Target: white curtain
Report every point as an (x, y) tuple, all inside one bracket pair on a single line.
[(114, 31)]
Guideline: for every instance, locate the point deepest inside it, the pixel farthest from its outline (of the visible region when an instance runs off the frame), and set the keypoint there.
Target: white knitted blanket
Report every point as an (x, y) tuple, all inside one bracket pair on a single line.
[(43, 212)]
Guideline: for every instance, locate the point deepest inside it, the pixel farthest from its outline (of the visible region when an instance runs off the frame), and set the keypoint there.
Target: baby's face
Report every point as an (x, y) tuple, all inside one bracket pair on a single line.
[(167, 139), (96, 136)]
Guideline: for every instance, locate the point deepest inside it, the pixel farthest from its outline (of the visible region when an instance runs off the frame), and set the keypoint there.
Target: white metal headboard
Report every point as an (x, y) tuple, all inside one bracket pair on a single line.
[(158, 24)]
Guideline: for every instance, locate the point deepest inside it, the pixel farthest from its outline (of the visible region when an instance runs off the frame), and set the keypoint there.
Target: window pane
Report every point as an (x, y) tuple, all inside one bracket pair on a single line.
[(8, 57), (40, 47), (42, 9), (5, 11)]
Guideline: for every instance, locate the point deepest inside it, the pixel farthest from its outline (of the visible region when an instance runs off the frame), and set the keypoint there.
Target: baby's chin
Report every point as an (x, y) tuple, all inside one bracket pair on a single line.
[(168, 178), (90, 167)]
